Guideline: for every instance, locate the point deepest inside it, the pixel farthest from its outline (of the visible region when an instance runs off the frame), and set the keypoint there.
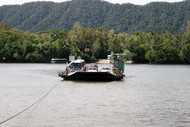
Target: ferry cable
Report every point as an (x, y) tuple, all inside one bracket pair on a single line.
[(135, 74), (36, 102)]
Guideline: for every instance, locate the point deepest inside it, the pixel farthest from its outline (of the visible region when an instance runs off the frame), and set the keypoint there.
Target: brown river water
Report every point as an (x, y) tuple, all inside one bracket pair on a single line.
[(149, 96)]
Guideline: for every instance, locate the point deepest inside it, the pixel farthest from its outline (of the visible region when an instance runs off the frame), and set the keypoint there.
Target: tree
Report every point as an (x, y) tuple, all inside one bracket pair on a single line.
[(5, 26)]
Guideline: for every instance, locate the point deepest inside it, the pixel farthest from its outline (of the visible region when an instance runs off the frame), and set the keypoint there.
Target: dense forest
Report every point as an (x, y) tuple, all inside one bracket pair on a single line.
[(141, 47), (127, 18)]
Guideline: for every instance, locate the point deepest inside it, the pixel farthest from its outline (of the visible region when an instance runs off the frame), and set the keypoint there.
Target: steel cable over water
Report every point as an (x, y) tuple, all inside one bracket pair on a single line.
[(36, 102)]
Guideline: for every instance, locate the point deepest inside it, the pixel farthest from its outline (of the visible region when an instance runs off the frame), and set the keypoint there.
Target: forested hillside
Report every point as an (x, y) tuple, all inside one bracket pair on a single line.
[(157, 16)]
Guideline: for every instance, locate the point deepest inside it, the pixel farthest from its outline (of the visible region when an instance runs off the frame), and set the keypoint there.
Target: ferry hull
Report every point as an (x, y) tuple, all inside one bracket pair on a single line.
[(91, 76)]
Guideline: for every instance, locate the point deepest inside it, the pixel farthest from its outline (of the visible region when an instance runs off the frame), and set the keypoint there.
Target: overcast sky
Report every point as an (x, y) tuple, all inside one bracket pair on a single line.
[(137, 2)]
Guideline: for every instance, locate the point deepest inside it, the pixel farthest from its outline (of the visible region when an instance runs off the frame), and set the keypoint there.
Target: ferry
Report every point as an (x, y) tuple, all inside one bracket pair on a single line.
[(59, 60), (78, 70)]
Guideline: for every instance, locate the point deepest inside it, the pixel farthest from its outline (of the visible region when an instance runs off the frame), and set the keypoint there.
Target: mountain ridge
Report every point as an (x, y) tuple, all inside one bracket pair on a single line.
[(155, 16)]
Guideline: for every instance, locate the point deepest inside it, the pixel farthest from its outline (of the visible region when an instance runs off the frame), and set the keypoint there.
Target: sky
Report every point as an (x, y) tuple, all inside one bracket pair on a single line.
[(137, 2)]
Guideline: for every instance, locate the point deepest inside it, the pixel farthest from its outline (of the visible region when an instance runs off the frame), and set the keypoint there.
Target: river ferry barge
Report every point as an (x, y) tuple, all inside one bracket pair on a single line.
[(77, 70)]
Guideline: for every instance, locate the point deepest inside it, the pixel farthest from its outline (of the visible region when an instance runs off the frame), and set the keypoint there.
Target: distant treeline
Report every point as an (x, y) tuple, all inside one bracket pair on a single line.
[(155, 16), (91, 44)]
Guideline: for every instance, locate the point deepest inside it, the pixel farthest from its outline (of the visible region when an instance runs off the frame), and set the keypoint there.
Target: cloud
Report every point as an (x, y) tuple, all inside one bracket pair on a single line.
[(137, 2)]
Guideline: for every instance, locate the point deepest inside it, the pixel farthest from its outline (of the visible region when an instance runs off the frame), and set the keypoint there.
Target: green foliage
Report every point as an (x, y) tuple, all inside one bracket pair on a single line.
[(91, 44), (5, 26), (156, 16), (86, 57)]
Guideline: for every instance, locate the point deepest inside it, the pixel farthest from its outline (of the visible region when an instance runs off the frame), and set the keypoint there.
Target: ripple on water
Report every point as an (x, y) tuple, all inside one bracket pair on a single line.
[(149, 95)]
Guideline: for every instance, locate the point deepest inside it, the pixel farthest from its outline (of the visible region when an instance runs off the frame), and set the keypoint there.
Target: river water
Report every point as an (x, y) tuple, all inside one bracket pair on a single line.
[(149, 96)]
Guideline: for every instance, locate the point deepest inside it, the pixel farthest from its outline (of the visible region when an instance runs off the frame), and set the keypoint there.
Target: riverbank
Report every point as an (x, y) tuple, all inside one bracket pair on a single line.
[(105, 61)]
